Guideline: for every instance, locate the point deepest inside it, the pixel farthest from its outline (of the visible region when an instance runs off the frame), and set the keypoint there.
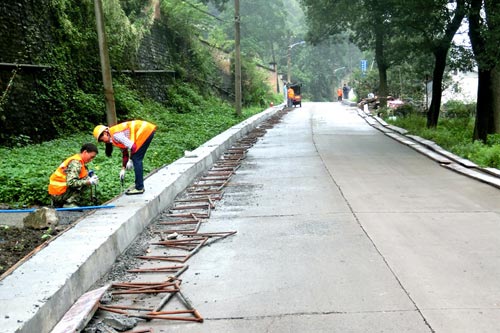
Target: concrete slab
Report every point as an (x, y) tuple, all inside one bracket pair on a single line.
[(300, 260), (339, 271), (477, 173), (448, 266), (305, 322), (417, 242)]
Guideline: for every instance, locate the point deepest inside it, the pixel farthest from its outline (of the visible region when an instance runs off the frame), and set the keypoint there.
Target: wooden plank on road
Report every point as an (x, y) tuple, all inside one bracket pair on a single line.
[(81, 312)]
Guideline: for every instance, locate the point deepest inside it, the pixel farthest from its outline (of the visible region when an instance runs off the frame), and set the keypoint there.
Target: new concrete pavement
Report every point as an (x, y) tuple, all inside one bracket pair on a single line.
[(343, 229), (340, 228)]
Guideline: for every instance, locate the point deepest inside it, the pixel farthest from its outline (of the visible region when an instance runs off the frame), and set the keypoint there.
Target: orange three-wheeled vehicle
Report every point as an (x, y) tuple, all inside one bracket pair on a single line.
[(297, 100)]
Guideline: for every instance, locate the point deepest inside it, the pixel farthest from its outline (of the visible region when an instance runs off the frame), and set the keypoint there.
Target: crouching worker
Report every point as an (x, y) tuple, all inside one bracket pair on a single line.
[(135, 135), (71, 178)]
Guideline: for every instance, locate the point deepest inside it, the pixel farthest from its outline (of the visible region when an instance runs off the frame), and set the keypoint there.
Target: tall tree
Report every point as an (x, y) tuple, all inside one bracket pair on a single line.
[(484, 34), (431, 26)]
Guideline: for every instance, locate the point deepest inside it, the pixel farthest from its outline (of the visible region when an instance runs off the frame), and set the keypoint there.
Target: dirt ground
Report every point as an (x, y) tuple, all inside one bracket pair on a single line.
[(16, 243)]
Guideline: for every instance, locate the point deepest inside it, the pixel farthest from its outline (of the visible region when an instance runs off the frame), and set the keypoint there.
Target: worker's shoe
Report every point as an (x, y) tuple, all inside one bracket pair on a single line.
[(70, 205), (134, 191)]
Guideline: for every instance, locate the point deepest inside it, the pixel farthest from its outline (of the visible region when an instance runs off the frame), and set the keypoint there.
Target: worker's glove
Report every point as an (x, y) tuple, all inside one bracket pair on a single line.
[(130, 165), (93, 180), (122, 174)]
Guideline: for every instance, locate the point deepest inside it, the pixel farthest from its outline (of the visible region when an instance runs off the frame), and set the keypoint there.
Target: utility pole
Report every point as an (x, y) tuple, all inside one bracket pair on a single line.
[(105, 66), (237, 58)]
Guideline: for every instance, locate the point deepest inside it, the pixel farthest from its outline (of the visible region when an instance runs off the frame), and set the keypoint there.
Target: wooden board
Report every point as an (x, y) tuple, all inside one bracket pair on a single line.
[(81, 312)]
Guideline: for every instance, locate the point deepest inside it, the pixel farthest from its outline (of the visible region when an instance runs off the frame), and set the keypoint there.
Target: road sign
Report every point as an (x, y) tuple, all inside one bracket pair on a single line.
[(364, 64)]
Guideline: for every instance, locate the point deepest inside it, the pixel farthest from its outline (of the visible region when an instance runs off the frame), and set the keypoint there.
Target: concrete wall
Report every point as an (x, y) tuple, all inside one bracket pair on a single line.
[(24, 30), (24, 33)]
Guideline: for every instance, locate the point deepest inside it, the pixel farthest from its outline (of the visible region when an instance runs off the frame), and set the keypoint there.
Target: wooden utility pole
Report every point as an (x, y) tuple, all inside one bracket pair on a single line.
[(237, 58), (105, 66)]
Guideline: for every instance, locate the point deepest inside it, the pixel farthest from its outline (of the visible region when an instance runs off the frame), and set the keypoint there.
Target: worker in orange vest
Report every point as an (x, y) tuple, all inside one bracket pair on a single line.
[(291, 96), (71, 178), (339, 94), (135, 135)]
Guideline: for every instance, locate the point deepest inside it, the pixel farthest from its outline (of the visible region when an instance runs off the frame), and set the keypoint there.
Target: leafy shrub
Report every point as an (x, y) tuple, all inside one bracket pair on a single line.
[(128, 103), (493, 139), (257, 92), (488, 156), (89, 107), (405, 110), (458, 109), (183, 98)]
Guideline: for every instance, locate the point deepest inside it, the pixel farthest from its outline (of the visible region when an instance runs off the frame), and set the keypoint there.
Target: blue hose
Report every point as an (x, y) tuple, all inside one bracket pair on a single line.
[(29, 210)]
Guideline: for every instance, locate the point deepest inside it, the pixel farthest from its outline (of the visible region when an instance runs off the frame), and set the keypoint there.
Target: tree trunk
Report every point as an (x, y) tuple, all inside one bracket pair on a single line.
[(487, 76), (382, 66), (437, 86), (440, 53), (495, 86), (485, 123)]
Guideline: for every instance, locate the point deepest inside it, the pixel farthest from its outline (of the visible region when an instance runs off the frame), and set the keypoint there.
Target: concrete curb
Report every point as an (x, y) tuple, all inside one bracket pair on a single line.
[(430, 149), (40, 291)]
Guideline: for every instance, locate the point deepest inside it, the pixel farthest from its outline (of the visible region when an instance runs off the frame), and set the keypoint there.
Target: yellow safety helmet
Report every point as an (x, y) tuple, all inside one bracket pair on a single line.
[(98, 131)]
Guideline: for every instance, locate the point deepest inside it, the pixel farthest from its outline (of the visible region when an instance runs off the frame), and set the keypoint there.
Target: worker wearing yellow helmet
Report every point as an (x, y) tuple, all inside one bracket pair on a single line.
[(135, 135)]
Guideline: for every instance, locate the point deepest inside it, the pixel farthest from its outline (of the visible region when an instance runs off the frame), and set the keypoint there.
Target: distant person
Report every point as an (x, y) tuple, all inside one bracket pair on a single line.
[(71, 178), (345, 91), (291, 96), (339, 94), (135, 135), (285, 94)]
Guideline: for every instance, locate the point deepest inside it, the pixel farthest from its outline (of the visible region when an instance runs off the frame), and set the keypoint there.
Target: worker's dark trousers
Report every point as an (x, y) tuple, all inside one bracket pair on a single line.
[(137, 160)]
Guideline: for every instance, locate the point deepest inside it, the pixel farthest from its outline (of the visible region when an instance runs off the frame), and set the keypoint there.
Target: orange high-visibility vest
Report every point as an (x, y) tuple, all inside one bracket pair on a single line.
[(140, 130), (291, 93), (57, 184)]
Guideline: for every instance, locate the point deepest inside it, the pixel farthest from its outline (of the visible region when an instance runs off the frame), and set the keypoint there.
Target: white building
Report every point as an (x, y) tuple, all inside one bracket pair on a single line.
[(463, 88)]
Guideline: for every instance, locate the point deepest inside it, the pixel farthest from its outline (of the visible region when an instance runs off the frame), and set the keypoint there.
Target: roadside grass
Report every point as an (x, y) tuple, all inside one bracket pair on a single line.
[(25, 171), (454, 135)]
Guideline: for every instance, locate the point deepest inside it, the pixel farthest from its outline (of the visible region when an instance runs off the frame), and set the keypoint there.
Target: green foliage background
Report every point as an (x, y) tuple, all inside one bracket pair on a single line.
[(24, 171), (71, 94)]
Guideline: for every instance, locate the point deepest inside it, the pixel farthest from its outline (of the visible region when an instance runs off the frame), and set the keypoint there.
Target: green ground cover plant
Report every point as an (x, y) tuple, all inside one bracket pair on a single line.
[(454, 133), (25, 171)]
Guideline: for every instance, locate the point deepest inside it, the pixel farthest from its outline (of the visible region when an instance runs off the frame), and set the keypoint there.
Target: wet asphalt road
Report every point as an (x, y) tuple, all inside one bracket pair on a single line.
[(342, 229)]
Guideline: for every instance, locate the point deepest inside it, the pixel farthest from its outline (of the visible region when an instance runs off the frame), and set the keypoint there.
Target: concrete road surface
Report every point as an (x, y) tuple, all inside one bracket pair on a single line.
[(342, 229)]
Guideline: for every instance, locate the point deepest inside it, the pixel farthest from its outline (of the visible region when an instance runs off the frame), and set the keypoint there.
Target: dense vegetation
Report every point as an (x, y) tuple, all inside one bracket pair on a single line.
[(194, 111), (25, 170)]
